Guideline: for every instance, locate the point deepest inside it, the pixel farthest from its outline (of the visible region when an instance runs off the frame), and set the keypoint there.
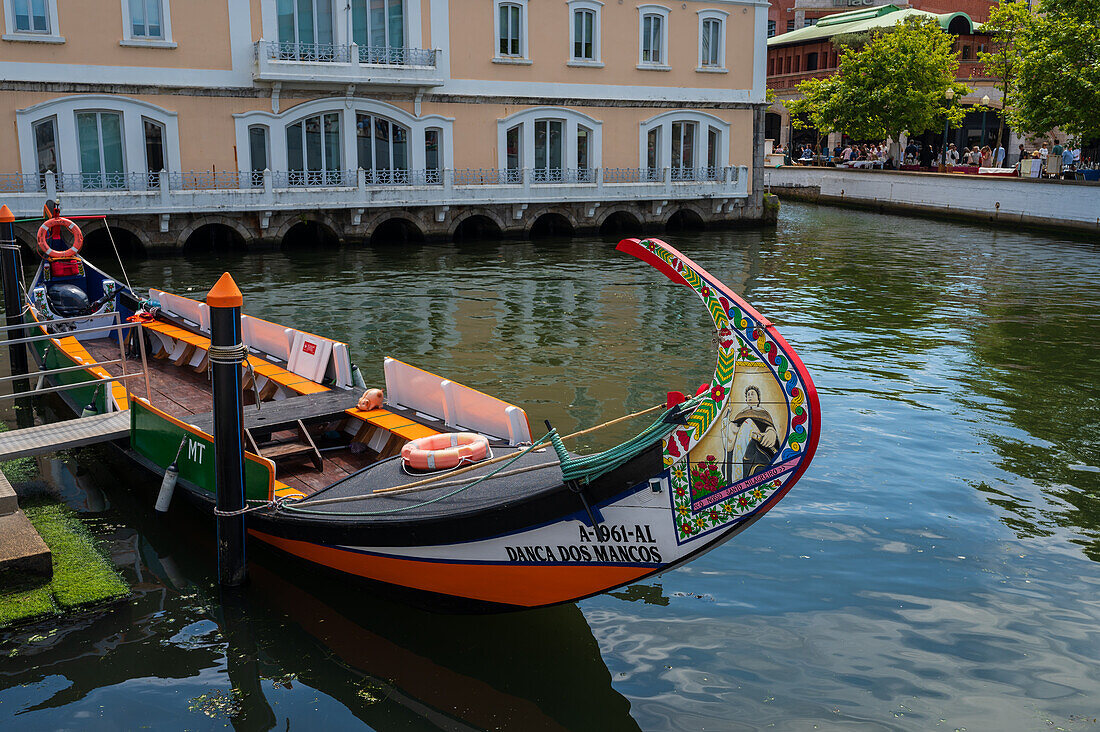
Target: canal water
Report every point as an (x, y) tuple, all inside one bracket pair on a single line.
[(936, 568)]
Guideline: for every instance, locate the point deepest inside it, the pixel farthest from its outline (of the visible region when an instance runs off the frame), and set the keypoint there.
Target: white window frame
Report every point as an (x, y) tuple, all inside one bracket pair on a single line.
[(663, 12), (133, 135), (719, 16), (341, 23), (347, 108), (523, 58), (526, 121), (596, 8), (703, 122), (51, 35), (165, 40)]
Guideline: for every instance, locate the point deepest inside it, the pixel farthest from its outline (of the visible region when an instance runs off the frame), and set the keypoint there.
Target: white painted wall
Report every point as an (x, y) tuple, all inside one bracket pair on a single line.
[(1068, 203)]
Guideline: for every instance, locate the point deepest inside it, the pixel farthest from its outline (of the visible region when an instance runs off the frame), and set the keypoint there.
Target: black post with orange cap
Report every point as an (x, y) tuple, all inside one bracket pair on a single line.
[(11, 264), (227, 351)]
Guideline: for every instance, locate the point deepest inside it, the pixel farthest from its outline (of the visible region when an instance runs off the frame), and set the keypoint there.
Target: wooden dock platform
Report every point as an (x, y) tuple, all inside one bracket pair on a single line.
[(48, 438)]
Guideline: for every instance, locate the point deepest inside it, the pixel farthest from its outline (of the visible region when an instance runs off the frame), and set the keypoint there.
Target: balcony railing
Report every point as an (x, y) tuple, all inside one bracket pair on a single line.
[(227, 180), (339, 53)]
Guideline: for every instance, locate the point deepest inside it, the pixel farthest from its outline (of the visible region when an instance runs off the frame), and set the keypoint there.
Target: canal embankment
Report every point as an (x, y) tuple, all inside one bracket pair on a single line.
[(1044, 204)]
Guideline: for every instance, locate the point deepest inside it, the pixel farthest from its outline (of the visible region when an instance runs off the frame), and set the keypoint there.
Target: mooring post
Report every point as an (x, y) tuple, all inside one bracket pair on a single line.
[(12, 274), (226, 353)]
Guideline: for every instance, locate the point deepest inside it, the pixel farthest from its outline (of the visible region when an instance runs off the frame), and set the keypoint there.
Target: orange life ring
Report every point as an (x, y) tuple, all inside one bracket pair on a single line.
[(44, 231), (445, 450)]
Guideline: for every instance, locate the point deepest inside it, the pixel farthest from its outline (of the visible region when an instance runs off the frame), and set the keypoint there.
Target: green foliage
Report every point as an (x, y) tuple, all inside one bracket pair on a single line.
[(81, 574), (1059, 70), (1007, 23), (895, 83)]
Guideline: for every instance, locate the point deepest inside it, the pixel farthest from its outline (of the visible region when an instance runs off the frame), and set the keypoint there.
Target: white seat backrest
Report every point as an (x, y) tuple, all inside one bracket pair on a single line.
[(309, 356), (267, 337), (191, 310), (341, 365), (414, 388), (455, 404)]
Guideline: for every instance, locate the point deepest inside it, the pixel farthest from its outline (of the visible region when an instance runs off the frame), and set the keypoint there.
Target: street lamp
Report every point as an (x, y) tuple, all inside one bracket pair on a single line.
[(985, 108), (948, 95)]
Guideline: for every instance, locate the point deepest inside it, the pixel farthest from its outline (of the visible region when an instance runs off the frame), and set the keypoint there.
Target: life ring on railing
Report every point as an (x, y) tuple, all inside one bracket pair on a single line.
[(445, 450), (44, 231)]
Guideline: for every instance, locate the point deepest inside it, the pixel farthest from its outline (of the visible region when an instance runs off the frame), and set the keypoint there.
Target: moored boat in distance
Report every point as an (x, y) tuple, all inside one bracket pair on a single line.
[(480, 508)]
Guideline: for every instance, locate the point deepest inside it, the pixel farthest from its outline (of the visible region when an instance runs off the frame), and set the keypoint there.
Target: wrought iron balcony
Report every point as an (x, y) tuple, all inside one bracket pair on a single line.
[(345, 64)]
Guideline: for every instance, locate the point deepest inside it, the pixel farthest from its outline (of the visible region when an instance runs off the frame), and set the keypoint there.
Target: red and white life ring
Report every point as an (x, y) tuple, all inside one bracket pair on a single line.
[(445, 450), (44, 231)]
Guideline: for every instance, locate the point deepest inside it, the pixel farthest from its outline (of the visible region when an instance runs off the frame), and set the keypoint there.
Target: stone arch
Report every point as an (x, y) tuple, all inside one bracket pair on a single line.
[(131, 242), (233, 223), (309, 233), (294, 219), (477, 226), (551, 223), (484, 213), (686, 218), (213, 236), (396, 229), (620, 222)]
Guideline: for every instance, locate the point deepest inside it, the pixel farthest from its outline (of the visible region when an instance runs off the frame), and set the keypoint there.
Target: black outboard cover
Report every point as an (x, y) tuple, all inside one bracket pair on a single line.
[(68, 301)]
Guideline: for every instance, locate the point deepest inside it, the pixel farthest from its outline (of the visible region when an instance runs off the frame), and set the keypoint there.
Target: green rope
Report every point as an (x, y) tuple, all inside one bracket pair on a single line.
[(293, 507), (589, 467)]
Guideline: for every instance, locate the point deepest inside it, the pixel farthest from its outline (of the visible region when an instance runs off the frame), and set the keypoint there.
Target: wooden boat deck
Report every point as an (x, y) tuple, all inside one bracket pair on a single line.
[(187, 395)]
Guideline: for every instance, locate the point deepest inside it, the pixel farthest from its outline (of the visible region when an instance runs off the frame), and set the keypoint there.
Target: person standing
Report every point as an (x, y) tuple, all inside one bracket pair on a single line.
[(952, 154), (1067, 158), (1043, 152), (999, 156), (1022, 153), (985, 159), (1057, 149)]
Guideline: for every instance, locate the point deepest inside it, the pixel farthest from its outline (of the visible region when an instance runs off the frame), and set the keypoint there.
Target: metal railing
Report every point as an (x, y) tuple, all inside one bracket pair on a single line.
[(117, 327), (349, 53)]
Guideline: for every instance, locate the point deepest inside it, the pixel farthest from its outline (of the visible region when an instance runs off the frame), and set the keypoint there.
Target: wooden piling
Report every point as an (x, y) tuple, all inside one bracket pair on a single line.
[(226, 353)]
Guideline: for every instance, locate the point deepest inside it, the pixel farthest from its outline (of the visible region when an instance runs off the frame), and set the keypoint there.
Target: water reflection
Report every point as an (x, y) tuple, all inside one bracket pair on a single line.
[(388, 664), (936, 568)]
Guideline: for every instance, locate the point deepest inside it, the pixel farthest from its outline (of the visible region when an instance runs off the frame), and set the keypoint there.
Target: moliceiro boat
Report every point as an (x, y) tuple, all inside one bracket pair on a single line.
[(362, 485)]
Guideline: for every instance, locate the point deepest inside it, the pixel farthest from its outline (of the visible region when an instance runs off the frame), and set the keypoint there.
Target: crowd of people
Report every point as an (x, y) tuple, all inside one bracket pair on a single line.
[(919, 154)]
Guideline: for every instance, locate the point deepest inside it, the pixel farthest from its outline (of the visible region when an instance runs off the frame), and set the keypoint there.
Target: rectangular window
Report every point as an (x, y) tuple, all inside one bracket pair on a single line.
[(790, 26), (304, 25), (257, 153), (432, 156), (653, 150), (652, 37), (811, 61), (510, 42), (145, 19), (313, 145), (99, 137), (45, 146), (771, 66), (583, 136), (377, 25), (584, 35), (714, 138), (154, 150), (683, 144), (771, 28), (31, 16), (548, 149), (513, 141), (711, 42)]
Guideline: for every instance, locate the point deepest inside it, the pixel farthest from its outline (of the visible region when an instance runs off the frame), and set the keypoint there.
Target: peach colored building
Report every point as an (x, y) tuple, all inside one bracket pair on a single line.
[(505, 109)]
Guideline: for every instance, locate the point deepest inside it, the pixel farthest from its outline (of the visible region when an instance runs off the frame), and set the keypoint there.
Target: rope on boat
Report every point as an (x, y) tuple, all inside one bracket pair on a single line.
[(118, 256), (246, 509), (290, 506), (584, 469), (589, 467)]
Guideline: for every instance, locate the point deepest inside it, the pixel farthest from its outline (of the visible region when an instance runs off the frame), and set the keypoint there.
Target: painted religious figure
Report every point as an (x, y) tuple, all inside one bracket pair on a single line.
[(749, 437)]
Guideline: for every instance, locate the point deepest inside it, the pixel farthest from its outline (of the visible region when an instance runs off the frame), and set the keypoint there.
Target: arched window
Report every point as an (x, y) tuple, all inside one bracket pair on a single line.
[(555, 144), (382, 148), (712, 40), (692, 145), (99, 141), (313, 150)]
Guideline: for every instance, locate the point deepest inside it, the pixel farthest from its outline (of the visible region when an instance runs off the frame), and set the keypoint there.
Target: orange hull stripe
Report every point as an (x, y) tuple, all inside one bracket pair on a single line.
[(528, 586)]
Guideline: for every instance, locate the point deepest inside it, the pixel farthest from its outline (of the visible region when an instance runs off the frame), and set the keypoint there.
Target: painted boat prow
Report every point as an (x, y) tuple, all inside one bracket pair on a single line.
[(751, 345)]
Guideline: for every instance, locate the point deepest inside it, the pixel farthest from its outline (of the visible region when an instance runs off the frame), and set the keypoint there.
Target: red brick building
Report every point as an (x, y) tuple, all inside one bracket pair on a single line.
[(808, 52), (789, 15)]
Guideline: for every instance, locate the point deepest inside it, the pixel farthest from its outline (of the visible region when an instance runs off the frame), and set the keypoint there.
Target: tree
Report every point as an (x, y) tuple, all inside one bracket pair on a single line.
[(1058, 82), (893, 84), (1007, 23)]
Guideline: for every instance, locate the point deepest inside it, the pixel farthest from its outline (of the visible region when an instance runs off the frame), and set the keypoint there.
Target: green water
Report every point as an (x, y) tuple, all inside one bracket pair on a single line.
[(936, 568)]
